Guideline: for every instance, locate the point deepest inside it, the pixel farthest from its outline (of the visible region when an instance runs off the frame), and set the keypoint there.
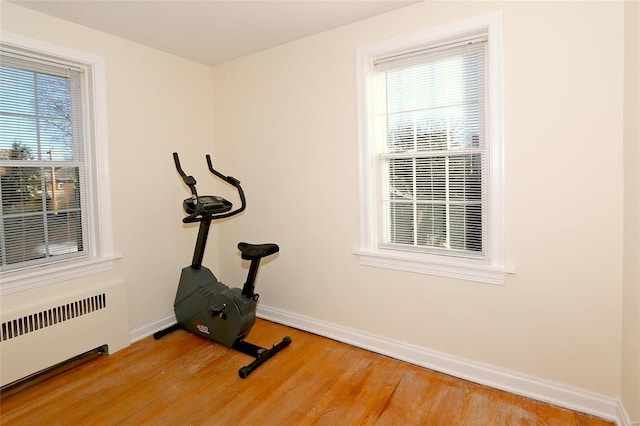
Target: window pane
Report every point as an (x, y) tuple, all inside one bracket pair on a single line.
[(41, 213), (466, 227), (56, 140), (430, 179), (21, 190), (54, 96), (433, 107), (432, 225), (400, 132), (432, 130), (64, 232), (16, 91), (400, 90), (401, 179), (63, 189), (401, 223), (465, 177), (18, 138), (56, 130), (25, 238), (46, 130)]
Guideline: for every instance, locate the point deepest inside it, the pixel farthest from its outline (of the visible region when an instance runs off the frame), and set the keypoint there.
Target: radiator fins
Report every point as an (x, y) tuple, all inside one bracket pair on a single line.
[(52, 316)]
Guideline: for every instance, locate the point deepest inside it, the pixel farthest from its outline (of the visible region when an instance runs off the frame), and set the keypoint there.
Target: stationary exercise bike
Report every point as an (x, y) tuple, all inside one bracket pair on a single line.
[(205, 306)]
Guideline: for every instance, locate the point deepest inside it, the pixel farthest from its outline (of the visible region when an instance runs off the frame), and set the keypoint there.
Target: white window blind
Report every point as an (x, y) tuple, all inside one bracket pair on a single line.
[(431, 149), (42, 162)]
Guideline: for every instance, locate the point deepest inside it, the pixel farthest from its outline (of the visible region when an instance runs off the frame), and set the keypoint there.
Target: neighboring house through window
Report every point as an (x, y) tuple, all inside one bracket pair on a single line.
[(432, 179), (55, 215)]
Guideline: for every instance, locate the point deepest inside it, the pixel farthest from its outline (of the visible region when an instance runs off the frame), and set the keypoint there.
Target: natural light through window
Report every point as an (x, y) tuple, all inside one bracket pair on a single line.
[(55, 215), (41, 149), (431, 152)]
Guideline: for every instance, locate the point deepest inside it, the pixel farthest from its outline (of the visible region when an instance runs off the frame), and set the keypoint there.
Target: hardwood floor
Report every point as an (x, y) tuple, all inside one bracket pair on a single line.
[(183, 379)]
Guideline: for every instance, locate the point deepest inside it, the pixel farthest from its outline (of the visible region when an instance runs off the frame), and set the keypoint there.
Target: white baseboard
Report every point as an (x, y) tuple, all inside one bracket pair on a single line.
[(147, 329), (623, 418), (602, 406)]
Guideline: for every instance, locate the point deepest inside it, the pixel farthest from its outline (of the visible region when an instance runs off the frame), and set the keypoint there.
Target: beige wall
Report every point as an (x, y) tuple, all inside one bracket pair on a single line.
[(631, 290), (157, 103), (286, 124)]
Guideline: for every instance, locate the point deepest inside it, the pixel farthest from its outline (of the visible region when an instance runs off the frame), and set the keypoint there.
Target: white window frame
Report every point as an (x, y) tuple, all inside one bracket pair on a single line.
[(100, 231), (491, 269)]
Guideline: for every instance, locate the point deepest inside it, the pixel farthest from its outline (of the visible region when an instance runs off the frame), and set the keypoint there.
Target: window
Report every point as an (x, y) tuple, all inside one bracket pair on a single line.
[(55, 210), (431, 152)]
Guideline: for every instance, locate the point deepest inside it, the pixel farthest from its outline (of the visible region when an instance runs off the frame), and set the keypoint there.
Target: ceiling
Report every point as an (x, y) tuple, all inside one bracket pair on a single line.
[(212, 31)]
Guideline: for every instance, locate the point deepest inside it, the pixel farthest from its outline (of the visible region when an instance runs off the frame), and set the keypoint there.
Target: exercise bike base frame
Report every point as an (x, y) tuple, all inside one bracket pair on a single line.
[(160, 334), (260, 354)]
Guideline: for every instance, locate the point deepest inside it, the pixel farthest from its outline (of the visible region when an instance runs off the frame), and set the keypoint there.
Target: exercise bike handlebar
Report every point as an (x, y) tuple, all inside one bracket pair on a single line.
[(232, 181), (190, 181)]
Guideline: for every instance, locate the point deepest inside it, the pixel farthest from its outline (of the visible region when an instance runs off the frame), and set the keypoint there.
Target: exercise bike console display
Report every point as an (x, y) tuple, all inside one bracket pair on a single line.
[(209, 203), (204, 305)]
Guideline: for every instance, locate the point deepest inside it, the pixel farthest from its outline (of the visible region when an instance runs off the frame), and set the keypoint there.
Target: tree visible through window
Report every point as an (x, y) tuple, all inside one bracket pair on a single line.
[(41, 161)]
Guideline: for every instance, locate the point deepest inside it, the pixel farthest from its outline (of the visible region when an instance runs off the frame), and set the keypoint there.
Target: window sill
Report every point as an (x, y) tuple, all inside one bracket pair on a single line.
[(16, 281), (469, 270)]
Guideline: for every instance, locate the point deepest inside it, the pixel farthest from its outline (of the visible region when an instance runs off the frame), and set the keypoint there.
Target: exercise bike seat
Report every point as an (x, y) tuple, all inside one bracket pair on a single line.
[(257, 251)]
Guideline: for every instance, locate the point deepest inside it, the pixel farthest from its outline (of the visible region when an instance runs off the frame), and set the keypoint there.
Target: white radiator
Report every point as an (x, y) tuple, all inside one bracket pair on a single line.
[(50, 332)]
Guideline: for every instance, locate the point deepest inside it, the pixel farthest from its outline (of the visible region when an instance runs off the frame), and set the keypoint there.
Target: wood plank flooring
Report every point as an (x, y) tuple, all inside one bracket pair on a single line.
[(183, 379)]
